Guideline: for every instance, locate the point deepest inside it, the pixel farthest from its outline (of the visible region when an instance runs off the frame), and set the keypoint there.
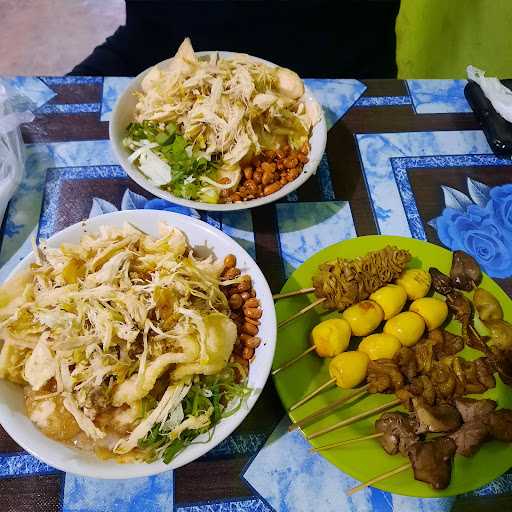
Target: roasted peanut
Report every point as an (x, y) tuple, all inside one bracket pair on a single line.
[(252, 321), (235, 301), (290, 163), (245, 337), (251, 186), (251, 329), (254, 313), (268, 167), (292, 174), (248, 353), (230, 261), (235, 197), (268, 178), (231, 273), (224, 181), (251, 303), (248, 173), (245, 295), (270, 189), (257, 176), (252, 342), (245, 284), (252, 294)]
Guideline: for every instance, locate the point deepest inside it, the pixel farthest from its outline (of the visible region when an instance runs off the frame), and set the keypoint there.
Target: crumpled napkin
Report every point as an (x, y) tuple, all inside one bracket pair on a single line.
[(12, 150), (499, 95)]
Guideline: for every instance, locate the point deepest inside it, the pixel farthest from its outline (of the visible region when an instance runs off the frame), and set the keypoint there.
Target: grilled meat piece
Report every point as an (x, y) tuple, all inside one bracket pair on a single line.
[(501, 362), (487, 305), (471, 409), (438, 418), (444, 381), (422, 387), (474, 340), (384, 376), (470, 437), (500, 334), (451, 345), (440, 282), (476, 376), (406, 360), (432, 461), (461, 309), (444, 343), (424, 351), (398, 429), (484, 373), (500, 425), (465, 272)]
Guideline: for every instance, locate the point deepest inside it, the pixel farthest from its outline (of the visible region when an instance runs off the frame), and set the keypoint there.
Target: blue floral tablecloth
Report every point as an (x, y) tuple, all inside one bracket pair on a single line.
[(420, 167)]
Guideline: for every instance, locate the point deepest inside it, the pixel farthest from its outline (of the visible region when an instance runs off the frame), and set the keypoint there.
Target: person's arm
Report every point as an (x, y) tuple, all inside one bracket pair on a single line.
[(140, 43)]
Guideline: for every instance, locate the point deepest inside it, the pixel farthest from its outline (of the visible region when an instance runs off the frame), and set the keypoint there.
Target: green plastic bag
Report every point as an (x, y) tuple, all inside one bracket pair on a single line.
[(439, 38)]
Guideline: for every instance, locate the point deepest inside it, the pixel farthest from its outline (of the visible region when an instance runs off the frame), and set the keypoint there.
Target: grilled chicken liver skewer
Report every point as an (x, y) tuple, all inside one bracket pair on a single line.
[(432, 461)]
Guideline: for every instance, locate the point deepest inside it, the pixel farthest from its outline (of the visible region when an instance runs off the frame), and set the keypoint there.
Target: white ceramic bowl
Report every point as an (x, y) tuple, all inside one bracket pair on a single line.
[(13, 416), (123, 114)]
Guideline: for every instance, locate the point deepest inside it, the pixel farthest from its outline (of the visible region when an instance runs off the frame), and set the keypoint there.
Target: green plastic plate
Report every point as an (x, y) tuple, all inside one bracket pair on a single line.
[(367, 459)]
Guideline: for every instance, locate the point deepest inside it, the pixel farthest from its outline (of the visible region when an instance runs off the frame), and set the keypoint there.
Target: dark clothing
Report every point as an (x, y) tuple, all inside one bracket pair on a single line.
[(317, 38)]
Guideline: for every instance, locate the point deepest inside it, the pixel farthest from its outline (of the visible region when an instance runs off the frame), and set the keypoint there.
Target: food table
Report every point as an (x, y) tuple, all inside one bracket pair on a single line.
[(403, 158)]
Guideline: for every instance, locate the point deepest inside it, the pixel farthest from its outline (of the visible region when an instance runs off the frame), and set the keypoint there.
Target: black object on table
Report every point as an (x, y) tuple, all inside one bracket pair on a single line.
[(497, 130)]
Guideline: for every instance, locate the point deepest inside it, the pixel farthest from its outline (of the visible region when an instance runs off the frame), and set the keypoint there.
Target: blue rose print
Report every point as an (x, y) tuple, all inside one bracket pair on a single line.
[(480, 225), (501, 204)]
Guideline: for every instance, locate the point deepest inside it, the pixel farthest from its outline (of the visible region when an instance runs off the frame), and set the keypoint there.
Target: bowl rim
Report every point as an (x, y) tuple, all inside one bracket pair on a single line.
[(94, 467), (315, 156)]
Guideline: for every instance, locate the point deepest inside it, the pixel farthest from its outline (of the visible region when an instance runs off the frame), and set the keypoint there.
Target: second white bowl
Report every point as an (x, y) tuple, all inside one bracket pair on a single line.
[(124, 113)]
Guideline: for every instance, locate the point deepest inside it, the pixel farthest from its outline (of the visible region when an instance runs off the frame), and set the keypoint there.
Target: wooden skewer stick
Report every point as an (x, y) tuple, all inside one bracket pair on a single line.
[(293, 360), (301, 312), (302, 291), (362, 486), (328, 408), (346, 443), (355, 418), (309, 396)]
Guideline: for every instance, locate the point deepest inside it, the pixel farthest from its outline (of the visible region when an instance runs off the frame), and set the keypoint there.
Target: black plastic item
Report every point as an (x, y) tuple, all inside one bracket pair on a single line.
[(497, 130)]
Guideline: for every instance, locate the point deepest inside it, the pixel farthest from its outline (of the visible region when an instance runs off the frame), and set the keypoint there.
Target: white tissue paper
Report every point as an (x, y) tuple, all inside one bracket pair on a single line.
[(499, 95), (12, 150)]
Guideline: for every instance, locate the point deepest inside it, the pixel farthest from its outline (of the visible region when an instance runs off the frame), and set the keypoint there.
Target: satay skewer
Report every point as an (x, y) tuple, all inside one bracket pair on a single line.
[(379, 478), (347, 442), (353, 419), (302, 291), (293, 360), (311, 395), (359, 392), (301, 312), (330, 282)]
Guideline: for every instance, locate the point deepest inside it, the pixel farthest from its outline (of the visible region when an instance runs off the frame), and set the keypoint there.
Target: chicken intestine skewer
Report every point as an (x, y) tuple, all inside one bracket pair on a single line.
[(340, 283)]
